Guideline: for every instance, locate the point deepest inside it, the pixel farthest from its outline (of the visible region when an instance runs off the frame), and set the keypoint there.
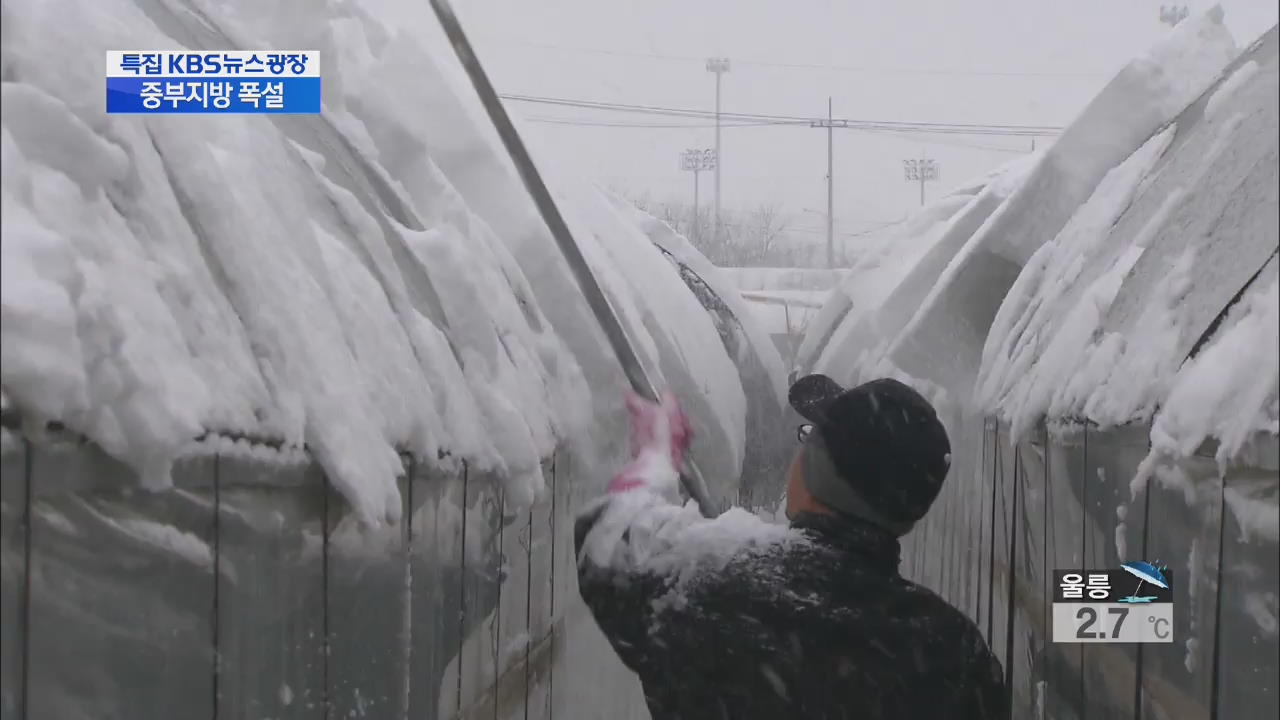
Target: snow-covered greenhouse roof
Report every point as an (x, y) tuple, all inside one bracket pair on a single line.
[(1075, 284), (1172, 257), (363, 283)]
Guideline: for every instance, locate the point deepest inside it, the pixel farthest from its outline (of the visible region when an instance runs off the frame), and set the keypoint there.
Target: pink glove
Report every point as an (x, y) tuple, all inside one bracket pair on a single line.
[(658, 433)]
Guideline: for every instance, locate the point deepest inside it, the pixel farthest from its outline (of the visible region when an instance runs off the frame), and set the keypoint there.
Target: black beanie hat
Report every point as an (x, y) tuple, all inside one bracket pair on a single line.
[(884, 440)]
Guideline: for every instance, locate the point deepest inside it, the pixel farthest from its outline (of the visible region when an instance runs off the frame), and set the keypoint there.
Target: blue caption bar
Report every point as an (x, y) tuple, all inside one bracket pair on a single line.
[(213, 96)]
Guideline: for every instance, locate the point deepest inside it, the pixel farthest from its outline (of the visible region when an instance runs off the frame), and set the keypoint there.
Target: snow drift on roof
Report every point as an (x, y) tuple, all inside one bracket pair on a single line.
[(1228, 391), (1141, 99), (896, 271), (754, 339), (927, 322), (317, 280), (1100, 321)]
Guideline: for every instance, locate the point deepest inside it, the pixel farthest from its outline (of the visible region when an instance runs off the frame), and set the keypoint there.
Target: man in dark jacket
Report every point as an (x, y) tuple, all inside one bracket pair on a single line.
[(734, 618)]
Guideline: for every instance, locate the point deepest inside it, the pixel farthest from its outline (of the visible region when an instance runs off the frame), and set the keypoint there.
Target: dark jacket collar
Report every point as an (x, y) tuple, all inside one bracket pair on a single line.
[(873, 546)]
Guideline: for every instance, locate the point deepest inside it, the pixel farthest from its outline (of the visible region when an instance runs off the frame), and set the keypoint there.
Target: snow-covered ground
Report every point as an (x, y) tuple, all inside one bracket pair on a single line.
[(370, 281), (762, 278)]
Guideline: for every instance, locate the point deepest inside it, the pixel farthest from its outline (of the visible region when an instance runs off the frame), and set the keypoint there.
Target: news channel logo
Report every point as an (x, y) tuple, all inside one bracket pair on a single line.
[(155, 82), (1131, 604)]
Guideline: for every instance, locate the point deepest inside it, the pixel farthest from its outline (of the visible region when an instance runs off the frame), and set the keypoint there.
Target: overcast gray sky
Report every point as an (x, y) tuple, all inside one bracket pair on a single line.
[(1019, 62)]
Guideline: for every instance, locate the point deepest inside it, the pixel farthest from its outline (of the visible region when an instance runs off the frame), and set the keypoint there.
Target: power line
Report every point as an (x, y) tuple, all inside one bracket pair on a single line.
[(949, 143), (659, 126), (844, 123), (646, 109), (815, 66), (913, 136)]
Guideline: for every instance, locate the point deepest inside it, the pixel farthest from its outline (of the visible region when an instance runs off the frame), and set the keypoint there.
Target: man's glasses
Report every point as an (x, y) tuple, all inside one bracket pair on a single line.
[(804, 431)]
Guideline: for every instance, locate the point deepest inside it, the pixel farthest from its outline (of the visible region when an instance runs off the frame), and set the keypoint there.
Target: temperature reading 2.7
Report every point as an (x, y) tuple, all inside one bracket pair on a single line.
[(1132, 604), (1112, 623), (1089, 616)]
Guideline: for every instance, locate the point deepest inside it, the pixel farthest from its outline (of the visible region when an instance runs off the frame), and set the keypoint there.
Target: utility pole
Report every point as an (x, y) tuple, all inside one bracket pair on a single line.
[(831, 245), (829, 124), (719, 66), (921, 171), (695, 161)]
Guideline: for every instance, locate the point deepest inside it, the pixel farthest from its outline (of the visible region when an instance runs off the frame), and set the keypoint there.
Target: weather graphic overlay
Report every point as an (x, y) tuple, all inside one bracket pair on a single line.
[(1132, 604)]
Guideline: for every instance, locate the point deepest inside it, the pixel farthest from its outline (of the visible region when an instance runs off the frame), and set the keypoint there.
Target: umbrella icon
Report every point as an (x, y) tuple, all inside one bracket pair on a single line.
[(1145, 572)]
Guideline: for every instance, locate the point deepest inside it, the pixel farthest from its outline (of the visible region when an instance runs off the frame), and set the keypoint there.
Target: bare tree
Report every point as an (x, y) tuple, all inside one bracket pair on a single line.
[(763, 238), (759, 238)]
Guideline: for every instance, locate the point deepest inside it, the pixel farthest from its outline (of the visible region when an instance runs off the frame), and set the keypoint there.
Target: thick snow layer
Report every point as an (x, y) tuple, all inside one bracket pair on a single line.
[(1101, 319), (1228, 390), (319, 280), (1239, 77), (1050, 286), (942, 342), (849, 337), (768, 446), (640, 528), (1255, 510), (448, 126), (693, 359), (1079, 290), (755, 340), (1261, 608), (675, 540)]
